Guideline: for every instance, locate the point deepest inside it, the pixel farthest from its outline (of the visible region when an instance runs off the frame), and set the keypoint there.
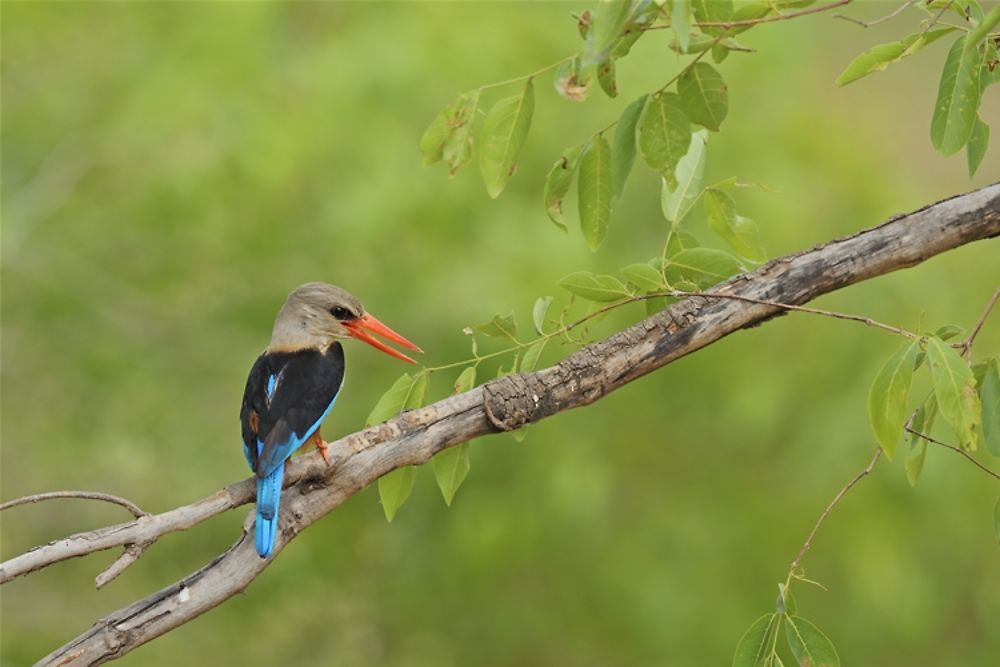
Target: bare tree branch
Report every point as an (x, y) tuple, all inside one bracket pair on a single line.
[(136, 511), (504, 404)]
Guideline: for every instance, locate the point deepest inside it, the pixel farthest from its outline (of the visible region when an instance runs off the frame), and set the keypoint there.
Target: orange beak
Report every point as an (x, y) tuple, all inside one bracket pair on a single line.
[(363, 327)]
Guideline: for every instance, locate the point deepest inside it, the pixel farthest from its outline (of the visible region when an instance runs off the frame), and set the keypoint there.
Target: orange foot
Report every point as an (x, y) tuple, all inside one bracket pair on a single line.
[(322, 446)]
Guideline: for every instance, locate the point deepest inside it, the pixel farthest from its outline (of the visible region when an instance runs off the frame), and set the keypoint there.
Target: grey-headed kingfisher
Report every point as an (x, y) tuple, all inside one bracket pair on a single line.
[(294, 384)]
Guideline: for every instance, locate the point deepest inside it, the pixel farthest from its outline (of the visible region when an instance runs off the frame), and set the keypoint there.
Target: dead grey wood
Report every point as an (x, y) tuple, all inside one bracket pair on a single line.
[(504, 404)]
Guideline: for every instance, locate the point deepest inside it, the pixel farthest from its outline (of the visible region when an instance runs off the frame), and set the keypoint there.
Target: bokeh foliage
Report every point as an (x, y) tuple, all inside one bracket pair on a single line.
[(171, 171)]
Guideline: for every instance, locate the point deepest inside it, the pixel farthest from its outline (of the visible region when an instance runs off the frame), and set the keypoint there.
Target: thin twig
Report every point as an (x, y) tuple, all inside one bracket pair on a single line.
[(867, 24), (136, 511), (802, 309), (952, 448), (967, 343), (129, 555), (822, 517), (771, 19)]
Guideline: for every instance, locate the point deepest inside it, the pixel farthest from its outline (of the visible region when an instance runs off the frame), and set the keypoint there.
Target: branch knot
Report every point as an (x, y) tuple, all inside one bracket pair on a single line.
[(508, 402)]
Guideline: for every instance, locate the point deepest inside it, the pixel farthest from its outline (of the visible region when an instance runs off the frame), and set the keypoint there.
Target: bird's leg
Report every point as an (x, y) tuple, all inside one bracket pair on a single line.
[(322, 446)]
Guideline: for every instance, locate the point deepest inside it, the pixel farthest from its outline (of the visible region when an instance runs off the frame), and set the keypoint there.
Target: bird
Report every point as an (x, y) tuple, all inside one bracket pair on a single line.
[(294, 383)]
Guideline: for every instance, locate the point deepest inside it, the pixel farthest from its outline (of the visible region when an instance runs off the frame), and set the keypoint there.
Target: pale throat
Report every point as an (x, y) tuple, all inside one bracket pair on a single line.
[(292, 334)]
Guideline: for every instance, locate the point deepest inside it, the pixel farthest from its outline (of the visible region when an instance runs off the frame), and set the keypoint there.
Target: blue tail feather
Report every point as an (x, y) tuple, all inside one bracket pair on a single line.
[(268, 497)]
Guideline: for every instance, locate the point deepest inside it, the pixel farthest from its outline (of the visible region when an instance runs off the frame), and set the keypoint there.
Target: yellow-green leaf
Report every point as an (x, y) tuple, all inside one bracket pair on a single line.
[(888, 394), (530, 358), (680, 21), (606, 76), (607, 23), (595, 191), (923, 421), (755, 644), (392, 401), (394, 488), (664, 134), (955, 389), (501, 326), (810, 647), (539, 311), (558, 182), (623, 144), (975, 150), (879, 57), (451, 467), (594, 288), (739, 232), (957, 100), (990, 399), (712, 11), (703, 267), (677, 203), (504, 131), (644, 276), (704, 95)]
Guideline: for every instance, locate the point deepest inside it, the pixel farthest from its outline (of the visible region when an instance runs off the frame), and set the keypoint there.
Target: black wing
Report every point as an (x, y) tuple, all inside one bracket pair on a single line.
[(287, 396)]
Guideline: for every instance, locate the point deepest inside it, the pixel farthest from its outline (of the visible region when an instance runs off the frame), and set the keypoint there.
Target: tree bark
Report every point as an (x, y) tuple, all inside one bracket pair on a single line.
[(412, 438)]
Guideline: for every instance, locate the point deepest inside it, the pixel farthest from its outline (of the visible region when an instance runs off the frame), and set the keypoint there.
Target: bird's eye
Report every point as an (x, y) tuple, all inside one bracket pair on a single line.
[(341, 313)]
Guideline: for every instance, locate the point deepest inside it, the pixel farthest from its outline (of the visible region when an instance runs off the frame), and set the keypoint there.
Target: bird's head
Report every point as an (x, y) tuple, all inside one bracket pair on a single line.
[(316, 314)]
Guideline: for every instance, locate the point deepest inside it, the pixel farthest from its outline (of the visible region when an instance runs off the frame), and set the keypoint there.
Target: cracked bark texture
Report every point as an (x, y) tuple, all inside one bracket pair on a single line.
[(504, 404)]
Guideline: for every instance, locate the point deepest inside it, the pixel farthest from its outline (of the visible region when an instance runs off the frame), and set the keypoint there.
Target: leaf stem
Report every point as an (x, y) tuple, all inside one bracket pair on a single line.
[(867, 24), (527, 76)]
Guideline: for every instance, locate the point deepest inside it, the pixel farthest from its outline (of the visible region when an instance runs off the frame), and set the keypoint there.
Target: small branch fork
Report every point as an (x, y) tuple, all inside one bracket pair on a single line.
[(313, 489)]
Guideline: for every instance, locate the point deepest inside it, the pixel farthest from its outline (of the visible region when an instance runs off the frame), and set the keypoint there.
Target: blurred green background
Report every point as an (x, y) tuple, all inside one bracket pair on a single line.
[(172, 170)]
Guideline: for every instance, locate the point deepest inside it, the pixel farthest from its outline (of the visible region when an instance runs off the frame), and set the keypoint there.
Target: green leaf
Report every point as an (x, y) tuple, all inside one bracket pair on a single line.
[(679, 240), (888, 394), (949, 331), (664, 134), (391, 402), (680, 21), (712, 11), (501, 326), (644, 15), (976, 148), (923, 421), (504, 131), (955, 388), (607, 23), (957, 100), (458, 145), (394, 488), (449, 136), (881, 56), (644, 276), (595, 288), (677, 203), (704, 95), (755, 644), (990, 400), (557, 184), (451, 466), (996, 519), (739, 232), (606, 77), (978, 34), (539, 311), (623, 143), (810, 647), (703, 267), (530, 358), (699, 42), (418, 391), (595, 191)]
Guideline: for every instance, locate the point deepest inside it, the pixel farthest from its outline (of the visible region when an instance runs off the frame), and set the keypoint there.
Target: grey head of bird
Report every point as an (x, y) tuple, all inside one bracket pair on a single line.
[(317, 314)]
